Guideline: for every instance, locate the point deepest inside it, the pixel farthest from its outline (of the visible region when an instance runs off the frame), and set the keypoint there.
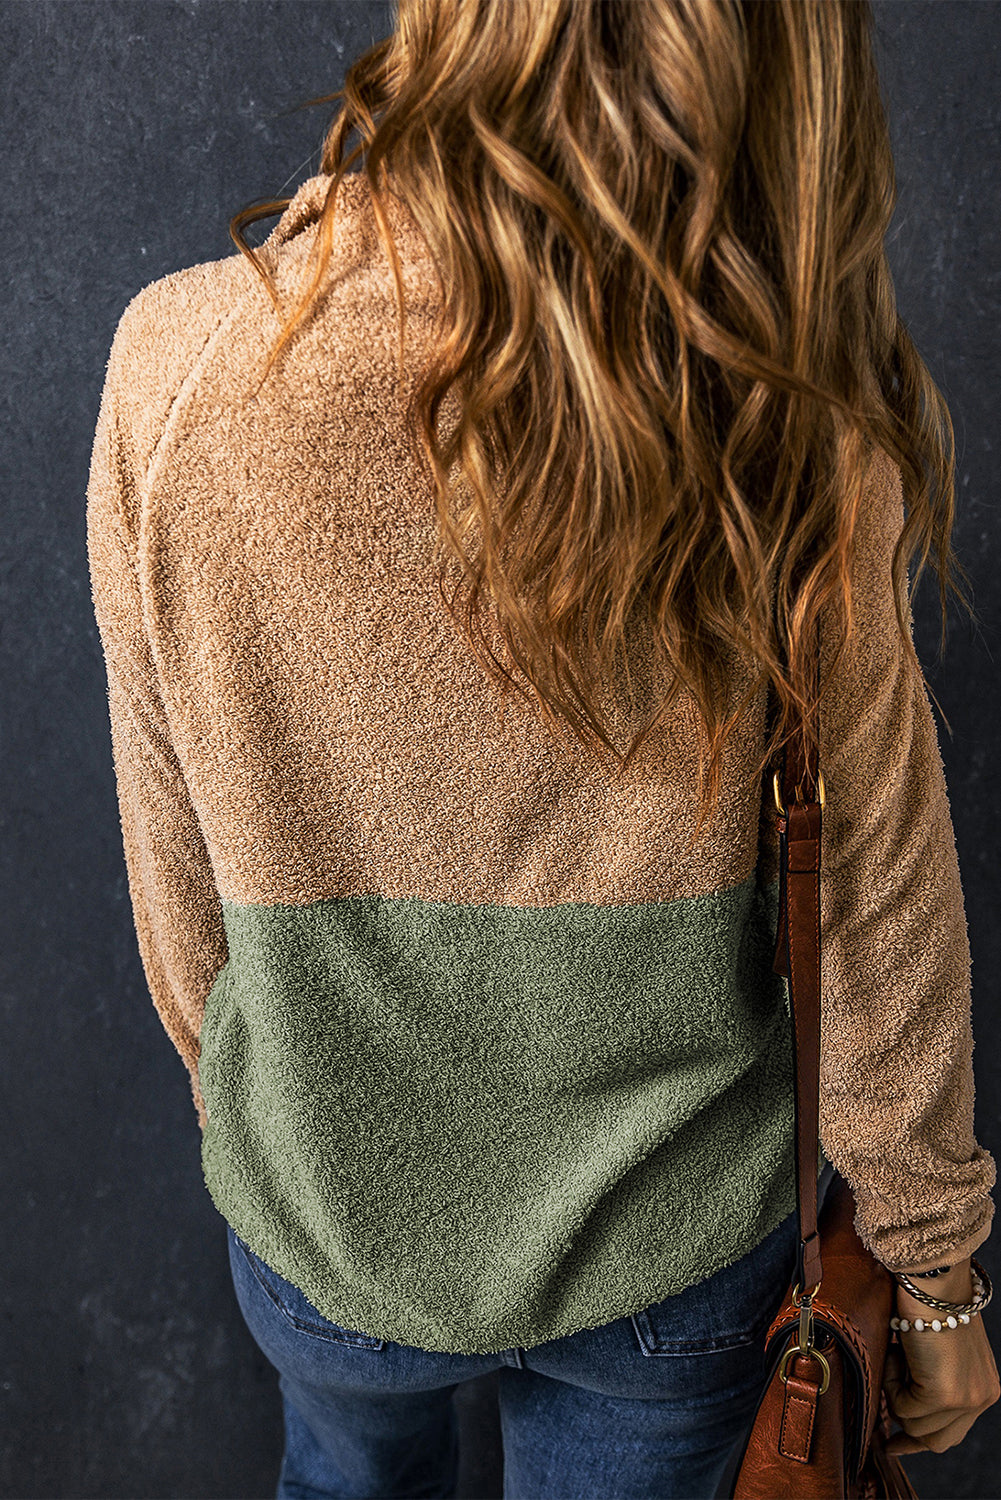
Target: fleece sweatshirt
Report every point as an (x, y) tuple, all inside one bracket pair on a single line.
[(483, 1049)]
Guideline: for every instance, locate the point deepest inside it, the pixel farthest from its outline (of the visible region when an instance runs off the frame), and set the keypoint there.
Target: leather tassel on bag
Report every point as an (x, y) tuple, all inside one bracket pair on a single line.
[(821, 1425)]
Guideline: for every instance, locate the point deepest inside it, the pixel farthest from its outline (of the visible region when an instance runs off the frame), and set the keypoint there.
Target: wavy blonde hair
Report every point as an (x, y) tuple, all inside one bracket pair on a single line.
[(658, 228)]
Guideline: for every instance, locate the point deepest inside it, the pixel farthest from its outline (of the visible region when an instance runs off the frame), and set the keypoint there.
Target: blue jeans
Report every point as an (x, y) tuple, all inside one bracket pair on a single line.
[(649, 1407)]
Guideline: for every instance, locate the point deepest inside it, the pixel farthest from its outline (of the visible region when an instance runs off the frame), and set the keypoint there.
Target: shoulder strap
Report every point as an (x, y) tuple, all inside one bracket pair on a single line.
[(799, 799)]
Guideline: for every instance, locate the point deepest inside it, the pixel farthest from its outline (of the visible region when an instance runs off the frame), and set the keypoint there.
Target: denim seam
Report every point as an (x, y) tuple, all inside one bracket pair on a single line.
[(652, 1346), (680, 1350)]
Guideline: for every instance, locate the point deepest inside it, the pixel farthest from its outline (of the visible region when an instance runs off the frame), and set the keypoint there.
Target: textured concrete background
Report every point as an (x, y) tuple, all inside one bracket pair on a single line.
[(133, 131)]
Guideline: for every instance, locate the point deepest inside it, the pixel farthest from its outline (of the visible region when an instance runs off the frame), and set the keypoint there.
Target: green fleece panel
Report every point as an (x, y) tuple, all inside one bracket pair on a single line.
[(477, 1127)]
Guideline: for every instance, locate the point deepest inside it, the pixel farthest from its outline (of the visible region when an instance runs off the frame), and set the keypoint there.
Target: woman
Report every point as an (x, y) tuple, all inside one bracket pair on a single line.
[(474, 985)]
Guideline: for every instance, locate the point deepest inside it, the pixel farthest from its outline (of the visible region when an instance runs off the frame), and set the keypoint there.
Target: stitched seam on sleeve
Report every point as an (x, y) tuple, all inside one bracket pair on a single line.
[(186, 385)]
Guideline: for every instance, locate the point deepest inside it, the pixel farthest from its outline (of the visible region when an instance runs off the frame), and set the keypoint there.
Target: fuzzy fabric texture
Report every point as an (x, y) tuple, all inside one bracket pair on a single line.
[(497, 1123), (492, 1052)]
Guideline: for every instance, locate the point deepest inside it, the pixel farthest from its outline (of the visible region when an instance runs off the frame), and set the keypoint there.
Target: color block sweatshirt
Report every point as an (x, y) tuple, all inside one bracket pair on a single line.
[(484, 1050)]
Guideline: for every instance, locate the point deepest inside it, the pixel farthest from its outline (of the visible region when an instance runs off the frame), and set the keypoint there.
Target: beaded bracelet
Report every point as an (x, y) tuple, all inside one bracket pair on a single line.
[(957, 1312), (932, 1325)]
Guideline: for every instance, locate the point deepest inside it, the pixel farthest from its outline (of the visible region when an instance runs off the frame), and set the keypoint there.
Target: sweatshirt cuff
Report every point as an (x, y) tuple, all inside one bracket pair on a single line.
[(901, 1250)]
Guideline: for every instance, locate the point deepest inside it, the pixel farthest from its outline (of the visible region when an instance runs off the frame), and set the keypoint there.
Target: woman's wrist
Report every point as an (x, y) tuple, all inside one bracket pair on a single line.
[(956, 1285)]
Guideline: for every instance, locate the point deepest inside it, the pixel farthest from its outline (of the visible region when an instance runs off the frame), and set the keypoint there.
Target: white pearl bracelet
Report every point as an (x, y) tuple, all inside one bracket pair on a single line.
[(934, 1324)]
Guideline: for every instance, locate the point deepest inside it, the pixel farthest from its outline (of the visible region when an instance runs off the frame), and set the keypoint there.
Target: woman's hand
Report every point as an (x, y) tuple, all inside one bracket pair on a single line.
[(938, 1384)]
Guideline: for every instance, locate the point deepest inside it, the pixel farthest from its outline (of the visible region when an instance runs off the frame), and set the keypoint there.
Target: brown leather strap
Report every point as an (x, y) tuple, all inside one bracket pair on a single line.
[(799, 1409), (797, 956)]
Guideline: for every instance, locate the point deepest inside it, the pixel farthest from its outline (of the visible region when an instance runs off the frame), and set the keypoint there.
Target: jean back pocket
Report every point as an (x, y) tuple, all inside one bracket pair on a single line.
[(296, 1308), (727, 1310)]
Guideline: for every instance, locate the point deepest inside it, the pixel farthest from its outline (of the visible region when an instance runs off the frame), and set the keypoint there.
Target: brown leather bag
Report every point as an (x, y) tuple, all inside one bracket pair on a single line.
[(821, 1424)]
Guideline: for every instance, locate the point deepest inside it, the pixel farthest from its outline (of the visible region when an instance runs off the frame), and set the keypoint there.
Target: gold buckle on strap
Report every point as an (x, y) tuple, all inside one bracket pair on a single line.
[(821, 792), (804, 1343), (814, 1353)]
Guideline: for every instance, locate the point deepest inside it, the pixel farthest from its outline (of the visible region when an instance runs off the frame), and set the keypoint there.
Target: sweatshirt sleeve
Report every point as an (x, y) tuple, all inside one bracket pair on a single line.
[(176, 908), (896, 1074)]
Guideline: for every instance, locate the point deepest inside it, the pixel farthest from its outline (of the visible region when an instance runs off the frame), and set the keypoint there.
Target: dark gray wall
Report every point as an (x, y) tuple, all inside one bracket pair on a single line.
[(133, 131)]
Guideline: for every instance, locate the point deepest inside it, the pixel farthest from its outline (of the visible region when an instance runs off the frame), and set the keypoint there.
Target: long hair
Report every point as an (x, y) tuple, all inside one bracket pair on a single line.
[(671, 327)]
